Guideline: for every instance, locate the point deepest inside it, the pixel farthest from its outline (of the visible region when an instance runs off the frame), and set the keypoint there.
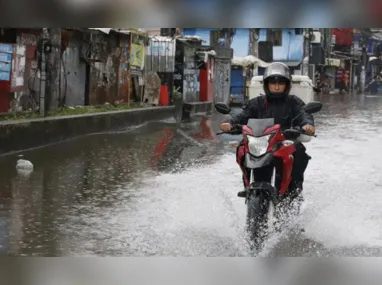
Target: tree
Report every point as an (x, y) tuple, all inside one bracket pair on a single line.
[(228, 33), (254, 39)]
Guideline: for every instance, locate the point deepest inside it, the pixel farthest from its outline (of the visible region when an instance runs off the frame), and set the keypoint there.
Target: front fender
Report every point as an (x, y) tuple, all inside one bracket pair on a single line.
[(265, 187)]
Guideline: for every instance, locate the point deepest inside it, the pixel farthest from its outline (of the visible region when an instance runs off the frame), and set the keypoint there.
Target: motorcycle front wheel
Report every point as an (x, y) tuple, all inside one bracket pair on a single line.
[(257, 220)]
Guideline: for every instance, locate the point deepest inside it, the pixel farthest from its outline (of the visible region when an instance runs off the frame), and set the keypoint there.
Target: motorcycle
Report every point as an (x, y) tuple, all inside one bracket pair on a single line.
[(265, 157)]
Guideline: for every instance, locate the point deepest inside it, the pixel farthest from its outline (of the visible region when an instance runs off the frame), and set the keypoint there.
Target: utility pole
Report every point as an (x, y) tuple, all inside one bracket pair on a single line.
[(254, 45), (327, 41), (42, 101), (351, 78), (53, 68), (330, 43), (363, 72), (305, 63), (254, 41), (49, 50)]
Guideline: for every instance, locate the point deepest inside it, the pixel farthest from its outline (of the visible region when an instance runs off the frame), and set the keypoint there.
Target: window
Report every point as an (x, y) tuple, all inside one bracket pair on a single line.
[(275, 36)]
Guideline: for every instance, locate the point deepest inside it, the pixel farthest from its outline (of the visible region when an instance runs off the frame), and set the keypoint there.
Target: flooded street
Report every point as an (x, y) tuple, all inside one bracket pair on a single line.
[(170, 190)]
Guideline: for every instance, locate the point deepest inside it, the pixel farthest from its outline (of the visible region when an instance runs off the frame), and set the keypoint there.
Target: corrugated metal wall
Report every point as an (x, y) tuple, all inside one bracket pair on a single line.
[(160, 55), (160, 58)]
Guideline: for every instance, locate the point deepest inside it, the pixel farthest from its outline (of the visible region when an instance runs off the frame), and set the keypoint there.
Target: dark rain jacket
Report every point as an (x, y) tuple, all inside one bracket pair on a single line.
[(282, 110)]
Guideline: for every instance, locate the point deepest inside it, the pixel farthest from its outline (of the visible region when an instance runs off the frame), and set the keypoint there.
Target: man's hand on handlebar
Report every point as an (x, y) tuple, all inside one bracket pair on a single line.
[(226, 127), (309, 130)]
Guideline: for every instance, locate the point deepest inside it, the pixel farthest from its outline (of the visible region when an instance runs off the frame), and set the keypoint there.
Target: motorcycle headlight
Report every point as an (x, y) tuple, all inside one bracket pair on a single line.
[(258, 145)]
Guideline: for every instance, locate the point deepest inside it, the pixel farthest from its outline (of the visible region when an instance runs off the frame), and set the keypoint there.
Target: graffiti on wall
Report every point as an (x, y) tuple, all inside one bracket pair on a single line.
[(191, 85), (191, 82), (222, 81), (18, 66), (21, 100), (25, 70)]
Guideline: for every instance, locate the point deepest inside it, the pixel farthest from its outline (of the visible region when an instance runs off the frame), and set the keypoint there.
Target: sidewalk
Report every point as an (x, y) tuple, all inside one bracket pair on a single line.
[(25, 133), (17, 135), (69, 111)]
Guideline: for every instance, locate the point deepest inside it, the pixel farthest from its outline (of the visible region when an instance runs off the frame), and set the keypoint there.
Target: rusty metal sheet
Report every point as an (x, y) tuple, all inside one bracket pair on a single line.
[(104, 73)]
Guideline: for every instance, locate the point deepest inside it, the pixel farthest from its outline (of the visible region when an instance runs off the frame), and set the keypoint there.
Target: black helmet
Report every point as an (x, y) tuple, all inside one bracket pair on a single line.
[(277, 71)]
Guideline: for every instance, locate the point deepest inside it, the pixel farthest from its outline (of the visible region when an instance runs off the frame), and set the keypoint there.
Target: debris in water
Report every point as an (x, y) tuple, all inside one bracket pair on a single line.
[(24, 165)]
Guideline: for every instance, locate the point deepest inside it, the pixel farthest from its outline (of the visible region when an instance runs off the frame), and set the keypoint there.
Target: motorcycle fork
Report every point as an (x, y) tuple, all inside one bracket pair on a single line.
[(252, 180)]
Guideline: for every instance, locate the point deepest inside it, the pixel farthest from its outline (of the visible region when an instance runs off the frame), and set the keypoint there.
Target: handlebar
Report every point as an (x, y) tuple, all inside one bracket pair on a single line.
[(236, 130), (297, 132)]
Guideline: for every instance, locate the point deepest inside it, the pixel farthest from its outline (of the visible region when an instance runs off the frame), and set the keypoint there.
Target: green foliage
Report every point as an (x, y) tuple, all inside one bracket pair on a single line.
[(70, 111)]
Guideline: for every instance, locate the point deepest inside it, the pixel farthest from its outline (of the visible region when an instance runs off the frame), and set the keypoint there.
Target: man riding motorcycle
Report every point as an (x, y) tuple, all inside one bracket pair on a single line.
[(277, 103)]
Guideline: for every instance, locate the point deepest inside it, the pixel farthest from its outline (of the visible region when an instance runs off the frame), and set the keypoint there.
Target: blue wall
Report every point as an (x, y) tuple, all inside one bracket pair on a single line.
[(292, 48), (237, 85), (240, 43)]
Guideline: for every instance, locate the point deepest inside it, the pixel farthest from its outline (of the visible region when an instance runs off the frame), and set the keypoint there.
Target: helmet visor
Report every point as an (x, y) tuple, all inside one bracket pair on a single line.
[(277, 79), (277, 70)]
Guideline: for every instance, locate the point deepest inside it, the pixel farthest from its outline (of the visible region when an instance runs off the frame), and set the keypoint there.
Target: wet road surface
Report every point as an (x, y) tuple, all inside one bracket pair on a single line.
[(169, 189)]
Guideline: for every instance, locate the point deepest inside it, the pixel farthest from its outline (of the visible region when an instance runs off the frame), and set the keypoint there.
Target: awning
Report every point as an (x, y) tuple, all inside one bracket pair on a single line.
[(103, 30), (191, 38), (203, 55), (376, 61), (246, 61), (292, 63), (120, 31), (372, 58)]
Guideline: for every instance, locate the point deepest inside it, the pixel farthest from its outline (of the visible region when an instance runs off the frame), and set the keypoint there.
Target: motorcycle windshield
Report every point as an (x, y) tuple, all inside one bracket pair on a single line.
[(258, 126)]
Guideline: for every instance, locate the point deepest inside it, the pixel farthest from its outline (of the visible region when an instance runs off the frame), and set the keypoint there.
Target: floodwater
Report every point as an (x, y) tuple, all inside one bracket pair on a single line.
[(165, 189)]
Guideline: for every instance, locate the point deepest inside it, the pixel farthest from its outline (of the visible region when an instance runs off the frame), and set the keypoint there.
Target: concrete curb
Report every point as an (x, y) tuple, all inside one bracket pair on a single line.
[(25, 134), (193, 108)]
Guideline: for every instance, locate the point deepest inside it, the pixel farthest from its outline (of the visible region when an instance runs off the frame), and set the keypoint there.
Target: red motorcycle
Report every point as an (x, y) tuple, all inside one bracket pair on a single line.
[(265, 157)]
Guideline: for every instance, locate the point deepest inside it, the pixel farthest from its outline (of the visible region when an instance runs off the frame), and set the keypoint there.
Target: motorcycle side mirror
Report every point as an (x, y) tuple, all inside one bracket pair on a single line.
[(313, 107), (222, 108)]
